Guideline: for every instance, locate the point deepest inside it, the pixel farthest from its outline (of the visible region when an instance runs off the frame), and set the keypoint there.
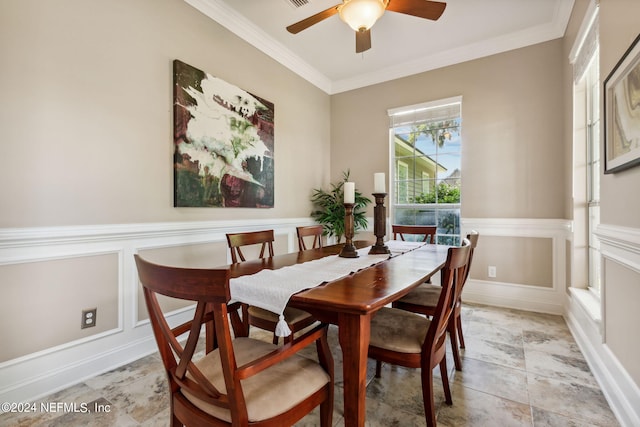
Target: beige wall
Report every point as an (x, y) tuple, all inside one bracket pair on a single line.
[(620, 198), (622, 315), (517, 120), (518, 260), (42, 302), (620, 202), (512, 125), (618, 28), (86, 119), (86, 112)]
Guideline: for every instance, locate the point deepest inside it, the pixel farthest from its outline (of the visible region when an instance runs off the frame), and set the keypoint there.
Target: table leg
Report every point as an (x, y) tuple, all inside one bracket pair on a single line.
[(354, 333)]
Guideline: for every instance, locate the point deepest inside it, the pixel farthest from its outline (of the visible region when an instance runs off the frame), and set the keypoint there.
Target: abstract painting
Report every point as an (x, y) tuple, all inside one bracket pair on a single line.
[(622, 112), (223, 143)]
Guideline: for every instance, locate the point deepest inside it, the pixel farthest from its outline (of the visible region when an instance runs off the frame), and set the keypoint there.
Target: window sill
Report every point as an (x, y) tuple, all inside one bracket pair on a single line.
[(589, 302)]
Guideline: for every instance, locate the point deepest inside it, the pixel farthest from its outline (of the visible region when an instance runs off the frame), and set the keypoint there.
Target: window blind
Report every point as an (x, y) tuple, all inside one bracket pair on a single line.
[(586, 44), (448, 109)]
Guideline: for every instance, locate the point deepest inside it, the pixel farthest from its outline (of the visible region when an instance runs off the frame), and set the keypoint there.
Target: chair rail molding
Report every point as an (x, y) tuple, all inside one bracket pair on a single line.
[(620, 244)]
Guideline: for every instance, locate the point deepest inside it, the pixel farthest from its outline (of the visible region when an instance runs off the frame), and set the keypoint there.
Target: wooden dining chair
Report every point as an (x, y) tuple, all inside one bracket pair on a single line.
[(308, 231), (427, 231), (255, 316), (408, 339), (424, 300), (237, 241), (237, 382)]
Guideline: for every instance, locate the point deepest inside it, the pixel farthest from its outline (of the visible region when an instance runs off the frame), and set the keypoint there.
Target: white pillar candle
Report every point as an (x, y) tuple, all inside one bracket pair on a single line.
[(349, 192), (379, 182)]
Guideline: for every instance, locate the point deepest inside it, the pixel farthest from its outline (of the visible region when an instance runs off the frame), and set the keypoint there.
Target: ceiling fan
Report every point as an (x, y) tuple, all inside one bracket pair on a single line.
[(362, 14)]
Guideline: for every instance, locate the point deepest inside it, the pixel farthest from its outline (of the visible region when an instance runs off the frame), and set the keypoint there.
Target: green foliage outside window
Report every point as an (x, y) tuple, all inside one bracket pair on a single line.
[(442, 193)]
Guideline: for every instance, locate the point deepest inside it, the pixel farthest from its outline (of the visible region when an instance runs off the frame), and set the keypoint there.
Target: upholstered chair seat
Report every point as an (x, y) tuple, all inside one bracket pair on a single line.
[(398, 330), (269, 393), (425, 294)]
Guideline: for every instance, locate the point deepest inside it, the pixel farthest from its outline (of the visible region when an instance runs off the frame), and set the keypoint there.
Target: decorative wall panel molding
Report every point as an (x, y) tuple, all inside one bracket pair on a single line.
[(621, 245), (514, 295), (35, 375)]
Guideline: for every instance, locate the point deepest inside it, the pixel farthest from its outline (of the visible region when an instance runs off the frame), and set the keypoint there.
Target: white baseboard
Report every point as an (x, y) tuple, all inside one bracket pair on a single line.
[(509, 295), (44, 382), (35, 376), (621, 392)]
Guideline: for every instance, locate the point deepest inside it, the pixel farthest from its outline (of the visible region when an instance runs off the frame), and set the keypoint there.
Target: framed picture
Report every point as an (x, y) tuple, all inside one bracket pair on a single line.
[(223, 143), (622, 112)]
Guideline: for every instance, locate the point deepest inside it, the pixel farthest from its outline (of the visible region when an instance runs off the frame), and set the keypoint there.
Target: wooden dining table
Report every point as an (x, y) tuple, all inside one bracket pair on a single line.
[(351, 301)]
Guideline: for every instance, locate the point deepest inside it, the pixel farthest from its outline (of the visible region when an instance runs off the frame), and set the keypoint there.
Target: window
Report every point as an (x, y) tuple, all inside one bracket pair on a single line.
[(587, 260), (592, 79), (425, 143)]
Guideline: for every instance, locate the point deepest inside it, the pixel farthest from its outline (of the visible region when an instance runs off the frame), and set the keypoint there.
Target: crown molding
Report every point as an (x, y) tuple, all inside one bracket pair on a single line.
[(243, 28)]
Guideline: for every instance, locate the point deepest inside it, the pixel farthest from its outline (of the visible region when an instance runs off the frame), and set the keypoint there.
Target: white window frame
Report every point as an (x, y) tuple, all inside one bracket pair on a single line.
[(394, 162), (426, 183), (593, 174), (586, 277), (404, 184)]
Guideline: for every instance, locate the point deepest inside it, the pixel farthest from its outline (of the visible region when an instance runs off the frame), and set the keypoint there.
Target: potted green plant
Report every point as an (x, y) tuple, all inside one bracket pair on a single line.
[(329, 208)]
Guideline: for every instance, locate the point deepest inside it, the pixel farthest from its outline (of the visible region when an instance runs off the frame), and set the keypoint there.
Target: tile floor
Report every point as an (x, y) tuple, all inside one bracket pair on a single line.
[(519, 369)]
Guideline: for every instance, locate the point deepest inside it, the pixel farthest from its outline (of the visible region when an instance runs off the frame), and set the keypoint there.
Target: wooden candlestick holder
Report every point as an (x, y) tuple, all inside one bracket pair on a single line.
[(348, 250), (379, 225)]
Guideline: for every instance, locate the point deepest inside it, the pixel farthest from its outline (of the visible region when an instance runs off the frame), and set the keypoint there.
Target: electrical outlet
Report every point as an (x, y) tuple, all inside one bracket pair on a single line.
[(491, 271), (88, 318)]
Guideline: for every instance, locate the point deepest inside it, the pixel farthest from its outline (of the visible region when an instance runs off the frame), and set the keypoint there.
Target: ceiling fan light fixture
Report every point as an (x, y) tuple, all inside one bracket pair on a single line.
[(360, 15)]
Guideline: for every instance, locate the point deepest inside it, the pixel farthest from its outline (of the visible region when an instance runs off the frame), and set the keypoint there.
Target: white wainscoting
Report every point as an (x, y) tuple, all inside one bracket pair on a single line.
[(513, 295), (39, 374), (621, 245), (36, 375)]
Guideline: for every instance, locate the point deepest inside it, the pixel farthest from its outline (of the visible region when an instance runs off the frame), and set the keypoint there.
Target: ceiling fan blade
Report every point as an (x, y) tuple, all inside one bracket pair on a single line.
[(363, 40), (313, 19), (421, 8)]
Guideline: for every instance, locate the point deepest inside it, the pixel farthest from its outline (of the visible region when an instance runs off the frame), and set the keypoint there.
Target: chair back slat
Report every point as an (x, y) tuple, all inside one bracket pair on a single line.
[(307, 231), (428, 231)]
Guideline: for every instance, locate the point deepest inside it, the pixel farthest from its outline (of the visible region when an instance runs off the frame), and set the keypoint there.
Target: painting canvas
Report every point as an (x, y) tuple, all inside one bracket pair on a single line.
[(622, 112), (223, 143)]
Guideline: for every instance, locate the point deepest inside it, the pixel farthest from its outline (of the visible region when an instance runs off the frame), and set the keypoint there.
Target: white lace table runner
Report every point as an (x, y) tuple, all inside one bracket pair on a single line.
[(271, 289)]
